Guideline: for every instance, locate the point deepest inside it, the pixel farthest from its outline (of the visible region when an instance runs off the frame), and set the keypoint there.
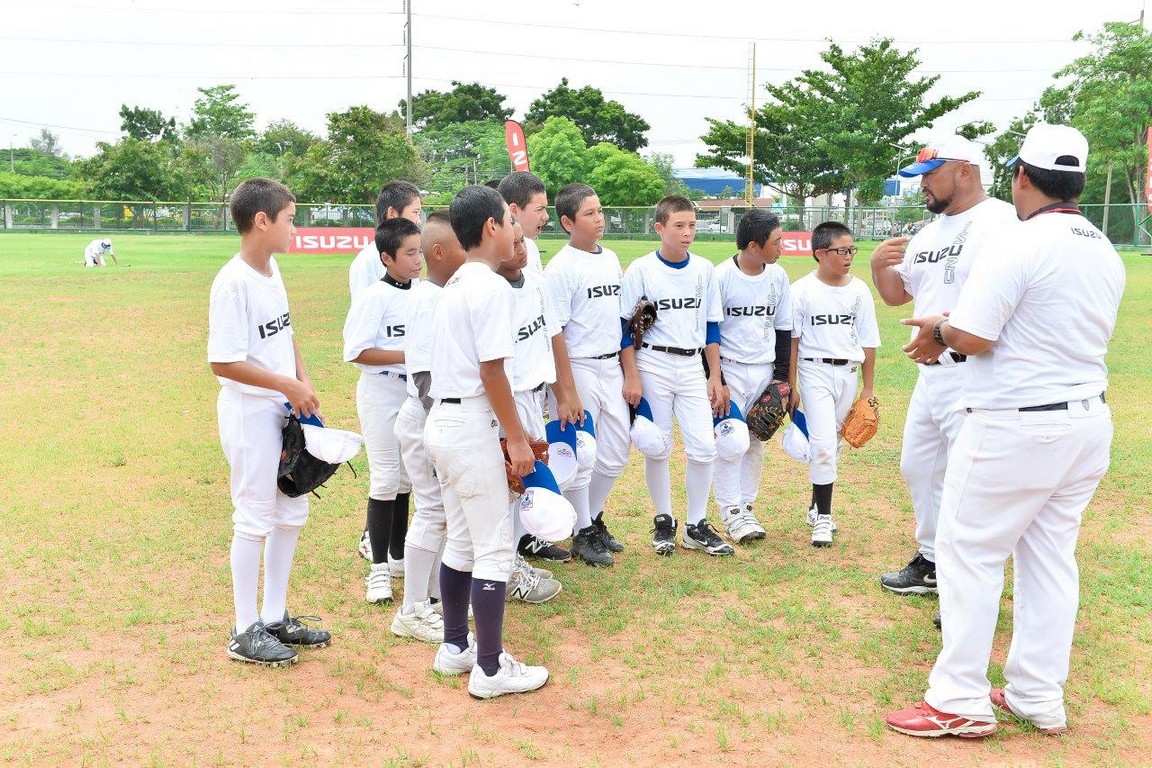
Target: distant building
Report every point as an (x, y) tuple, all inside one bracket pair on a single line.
[(712, 182)]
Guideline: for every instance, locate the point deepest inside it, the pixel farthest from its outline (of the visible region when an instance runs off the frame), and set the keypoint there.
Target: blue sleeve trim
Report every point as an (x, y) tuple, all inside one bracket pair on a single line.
[(625, 334), (712, 333)]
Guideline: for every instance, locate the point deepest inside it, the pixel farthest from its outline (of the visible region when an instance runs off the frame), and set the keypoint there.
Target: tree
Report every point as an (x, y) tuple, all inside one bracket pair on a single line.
[(598, 120), (47, 143), (284, 137), (623, 178), (558, 153), (146, 124), (465, 103), (131, 169), (218, 114), (661, 162), (1055, 106), (463, 153), (831, 130)]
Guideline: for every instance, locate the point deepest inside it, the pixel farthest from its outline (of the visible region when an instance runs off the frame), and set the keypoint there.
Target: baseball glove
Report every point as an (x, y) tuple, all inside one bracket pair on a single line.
[(862, 421), (539, 452), (300, 472), (768, 412), (643, 318)]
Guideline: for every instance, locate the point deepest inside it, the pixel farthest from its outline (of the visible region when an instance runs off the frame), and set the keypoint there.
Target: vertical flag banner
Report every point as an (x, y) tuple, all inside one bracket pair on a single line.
[(517, 145), (1148, 170)]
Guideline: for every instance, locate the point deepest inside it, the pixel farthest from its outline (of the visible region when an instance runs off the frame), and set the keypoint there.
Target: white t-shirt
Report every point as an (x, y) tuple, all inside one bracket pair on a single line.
[(535, 264), (377, 320), (686, 299), (418, 324), (585, 291), (472, 324), (536, 324), (755, 307), (836, 322), (366, 269), (939, 258), (94, 253), (248, 321), (1048, 301)]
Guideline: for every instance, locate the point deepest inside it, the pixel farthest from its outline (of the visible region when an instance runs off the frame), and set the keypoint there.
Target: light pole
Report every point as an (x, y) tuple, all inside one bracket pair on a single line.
[(11, 153)]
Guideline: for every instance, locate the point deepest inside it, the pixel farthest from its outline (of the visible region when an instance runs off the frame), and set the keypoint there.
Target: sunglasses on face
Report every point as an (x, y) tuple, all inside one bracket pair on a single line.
[(930, 153)]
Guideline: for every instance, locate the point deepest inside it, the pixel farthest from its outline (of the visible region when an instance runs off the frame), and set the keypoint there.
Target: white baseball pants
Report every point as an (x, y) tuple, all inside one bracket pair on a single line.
[(826, 395), (378, 400), (737, 480), (600, 384), (1017, 484), (428, 528)]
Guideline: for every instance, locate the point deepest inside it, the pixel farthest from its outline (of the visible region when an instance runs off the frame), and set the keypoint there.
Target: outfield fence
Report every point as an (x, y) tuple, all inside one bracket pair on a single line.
[(1123, 223)]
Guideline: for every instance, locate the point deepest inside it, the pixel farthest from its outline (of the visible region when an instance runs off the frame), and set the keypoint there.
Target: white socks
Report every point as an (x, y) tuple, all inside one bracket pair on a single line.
[(246, 555), (698, 484), (279, 550)]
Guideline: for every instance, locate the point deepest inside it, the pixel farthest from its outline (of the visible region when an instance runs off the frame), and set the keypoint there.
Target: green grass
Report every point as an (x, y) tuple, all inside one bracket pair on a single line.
[(115, 550)]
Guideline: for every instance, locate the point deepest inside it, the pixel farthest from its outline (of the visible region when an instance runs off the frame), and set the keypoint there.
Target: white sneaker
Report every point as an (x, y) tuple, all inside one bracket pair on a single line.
[(449, 661), (422, 623), (365, 547), (812, 519), (512, 677), (528, 586), (742, 525), (397, 567), (519, 563), (379, 584), (438, 607), (822, 531)]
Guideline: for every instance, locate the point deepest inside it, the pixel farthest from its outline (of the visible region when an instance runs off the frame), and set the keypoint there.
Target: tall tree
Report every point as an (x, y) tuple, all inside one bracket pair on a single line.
[(623, 178), (284, 137), (146, 124), (832, 129), (465, 103), (558, 153), (218, 113), (131, 169), (599, 120), (459, 154), (47, 143)]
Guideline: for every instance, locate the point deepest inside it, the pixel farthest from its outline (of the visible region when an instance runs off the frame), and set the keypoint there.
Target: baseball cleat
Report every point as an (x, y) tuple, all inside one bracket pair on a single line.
[(703, 536), (1001, 702), (450, 661), (916, 578), (742, 525), (255, 646), (664, 534), (396, 567), (527, 586), (511, 677), (379, 584), (822, 531), (530, 546), (588, 546), (812, 518), (610, 541), (422, 623), (925, 720), (936, 620), (364, 548), (292, 631)]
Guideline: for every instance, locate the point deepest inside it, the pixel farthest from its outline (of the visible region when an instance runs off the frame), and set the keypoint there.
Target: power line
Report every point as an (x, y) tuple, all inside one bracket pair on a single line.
[(59, 127), (231, 10), (171, 44)]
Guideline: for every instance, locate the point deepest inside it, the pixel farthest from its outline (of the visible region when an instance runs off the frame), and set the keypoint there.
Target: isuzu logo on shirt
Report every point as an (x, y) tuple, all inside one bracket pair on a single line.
[(526, 331), (273, 327), (760, 311), (832, 319), (603, 291), (693, 302)]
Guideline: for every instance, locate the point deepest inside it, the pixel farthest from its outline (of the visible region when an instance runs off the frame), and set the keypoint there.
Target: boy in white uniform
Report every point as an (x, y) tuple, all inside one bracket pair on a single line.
[(528, 201), (666, 370), (471, 362), (254, 354), (95, 250), (834, 332), (374, 340), (755, 348), (397, 200), (418, 616), (584, 280)]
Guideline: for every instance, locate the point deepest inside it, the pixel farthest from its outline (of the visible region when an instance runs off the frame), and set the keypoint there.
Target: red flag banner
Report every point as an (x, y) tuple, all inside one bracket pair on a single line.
[(1148, 170), (517, 145)]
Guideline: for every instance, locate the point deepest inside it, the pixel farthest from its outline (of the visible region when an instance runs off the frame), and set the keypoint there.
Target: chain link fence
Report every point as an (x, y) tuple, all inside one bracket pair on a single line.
[(1127, 224)]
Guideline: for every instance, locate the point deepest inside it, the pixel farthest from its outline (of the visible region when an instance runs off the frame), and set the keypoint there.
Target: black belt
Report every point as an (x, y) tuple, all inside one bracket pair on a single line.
[(956, 357), (450, 400), (540, 387), (828, 360), (672, 350), (1054, 406), (394, 375), (604, 357)]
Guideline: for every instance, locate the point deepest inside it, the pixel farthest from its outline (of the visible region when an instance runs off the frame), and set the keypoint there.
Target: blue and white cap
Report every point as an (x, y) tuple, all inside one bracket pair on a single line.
[(561, 451), (648, 438), (586, 443), (543, 511), (731, 431), (795, 439)]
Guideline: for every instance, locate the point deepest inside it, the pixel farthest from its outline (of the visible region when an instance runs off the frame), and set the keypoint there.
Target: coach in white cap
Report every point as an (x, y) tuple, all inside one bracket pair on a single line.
[(1035, 319)]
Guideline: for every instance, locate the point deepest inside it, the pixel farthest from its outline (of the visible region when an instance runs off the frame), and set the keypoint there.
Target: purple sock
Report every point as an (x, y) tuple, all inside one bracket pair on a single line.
[(454, 586), (488, 606)]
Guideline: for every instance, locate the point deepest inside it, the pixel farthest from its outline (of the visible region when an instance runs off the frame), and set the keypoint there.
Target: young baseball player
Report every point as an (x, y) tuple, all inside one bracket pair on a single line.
[(95, 250), (528, 200), (374, 340), (834, 332), (666, 369), (471, 362), (930, 270), (533, 370), (755, 348), (418, 616), (584, 280), (253, 352)]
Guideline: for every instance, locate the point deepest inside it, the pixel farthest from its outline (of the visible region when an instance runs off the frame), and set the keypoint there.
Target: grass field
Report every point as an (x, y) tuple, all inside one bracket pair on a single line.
[(117, 602)]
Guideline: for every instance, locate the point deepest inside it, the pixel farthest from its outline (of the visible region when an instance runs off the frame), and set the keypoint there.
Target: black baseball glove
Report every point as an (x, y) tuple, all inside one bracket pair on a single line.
[(643, 318), (768, 412), (300, 472)]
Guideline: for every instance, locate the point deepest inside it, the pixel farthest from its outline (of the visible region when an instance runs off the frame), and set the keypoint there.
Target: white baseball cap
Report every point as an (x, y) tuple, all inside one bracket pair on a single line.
[(561, 451), (334, 446), (939, 151), (731, 431), (543, 511), (586, 443), (795, 439), (648, 438), (1054, 148), (106, 243)]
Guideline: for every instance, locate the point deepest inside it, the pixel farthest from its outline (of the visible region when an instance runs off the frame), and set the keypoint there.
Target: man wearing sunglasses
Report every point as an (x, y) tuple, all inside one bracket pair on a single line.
[(929, 269)]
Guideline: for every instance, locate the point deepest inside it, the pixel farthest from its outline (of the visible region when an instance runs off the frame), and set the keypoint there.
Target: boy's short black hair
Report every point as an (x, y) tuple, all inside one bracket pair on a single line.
[(439, 216), (397, 195), (470, 211), (519, 187), (570, 198), (755, 227), (670, 205), (391, 234), (254, 196), (824, 235), (1062, 185)]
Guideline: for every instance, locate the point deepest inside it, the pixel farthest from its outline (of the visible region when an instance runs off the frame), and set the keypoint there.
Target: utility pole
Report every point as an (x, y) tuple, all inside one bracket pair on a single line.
[(750, 144), (11, 154), (408, 64)]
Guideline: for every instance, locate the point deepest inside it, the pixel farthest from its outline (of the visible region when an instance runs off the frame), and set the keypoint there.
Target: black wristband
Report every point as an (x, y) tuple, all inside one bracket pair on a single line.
[(937, 336)]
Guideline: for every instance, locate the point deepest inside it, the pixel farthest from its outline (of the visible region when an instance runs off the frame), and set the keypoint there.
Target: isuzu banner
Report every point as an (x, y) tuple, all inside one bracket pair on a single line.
[(332, 239), (796, 244), (517, 145)]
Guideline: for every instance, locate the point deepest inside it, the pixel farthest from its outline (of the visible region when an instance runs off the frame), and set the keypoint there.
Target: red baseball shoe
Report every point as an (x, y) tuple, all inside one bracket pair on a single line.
[(925, 720), (1001, 703)]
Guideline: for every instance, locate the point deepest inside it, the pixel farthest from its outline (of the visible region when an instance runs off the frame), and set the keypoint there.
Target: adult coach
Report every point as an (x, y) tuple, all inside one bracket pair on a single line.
[(94, 253), (1035, 320), (930, 270)]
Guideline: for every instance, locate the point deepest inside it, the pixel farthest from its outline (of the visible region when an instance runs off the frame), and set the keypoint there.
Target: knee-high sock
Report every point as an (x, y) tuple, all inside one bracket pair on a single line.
[(399, 526), (380, 528), (658, 477), (698, 484), (822, 498), (579, 499), (598, 491), (279, 550), (456, 589), (418, 566), (245, 558), (488, 606)]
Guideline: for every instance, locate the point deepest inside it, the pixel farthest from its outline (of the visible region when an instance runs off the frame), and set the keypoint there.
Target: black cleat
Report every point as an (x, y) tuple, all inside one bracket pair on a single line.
[(916, 578), (703, 536), (609, 540), (664, 534), (291, 631), (255, 646), (530, 546), (589, 547)]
